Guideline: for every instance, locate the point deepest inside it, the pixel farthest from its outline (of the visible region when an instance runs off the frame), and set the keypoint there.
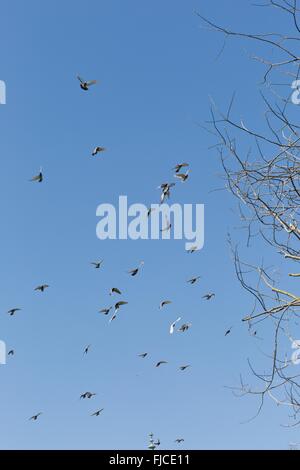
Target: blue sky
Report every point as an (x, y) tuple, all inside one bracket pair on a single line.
[(156, 69)]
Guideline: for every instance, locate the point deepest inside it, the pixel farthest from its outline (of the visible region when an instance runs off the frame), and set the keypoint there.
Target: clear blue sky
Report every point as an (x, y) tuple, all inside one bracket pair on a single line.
[(156, 69)]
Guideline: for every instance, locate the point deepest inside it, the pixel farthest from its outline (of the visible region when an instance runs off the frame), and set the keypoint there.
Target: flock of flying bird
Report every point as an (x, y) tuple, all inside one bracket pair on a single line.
[(114, 291)]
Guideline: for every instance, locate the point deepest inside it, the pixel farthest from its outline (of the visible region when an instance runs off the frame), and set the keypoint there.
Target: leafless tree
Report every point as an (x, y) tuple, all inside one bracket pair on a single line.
[(262, 169)]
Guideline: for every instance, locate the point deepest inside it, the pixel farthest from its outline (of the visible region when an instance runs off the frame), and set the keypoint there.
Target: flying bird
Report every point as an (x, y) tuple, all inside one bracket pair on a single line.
[(97, 264), (85, 85), (160, 363), (35, 417), (87, 395), (208, 296), (97, 413), (184, 367), (165, 187), (228, 331), (115, 290), (143, 355), (12, 311), (133, 272), (105, 311), (167, 227), (178, 167), (164, 302), (118, 305), (178, 441), (185, 327), (98, 150), (11, 352), (39, 177), (182, 176), (86, 349), (150, 210), (42, 287), (172, 326), (193, 280)]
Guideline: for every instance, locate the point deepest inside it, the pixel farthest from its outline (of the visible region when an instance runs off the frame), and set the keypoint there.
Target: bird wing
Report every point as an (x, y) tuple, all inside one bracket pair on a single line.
[(173, 325), (105, 310), (80, 79), (165, 302), (91, 82), (35, 178), (118, 304)]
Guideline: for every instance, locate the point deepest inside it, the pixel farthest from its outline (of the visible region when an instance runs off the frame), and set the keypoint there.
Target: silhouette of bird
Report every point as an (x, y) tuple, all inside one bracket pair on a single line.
[(105, 310), (160, 363), (115, 290), (193, 280), (86, 349), (97, 413), (143, 355), (35, 417), (184, 367), (42, 287), (165, 187), (185, 327), (11, 352), (85, 85), (228, 331), (178, 167), (208, 296), (87, 395), (133, 272), (39, 177), (12, 311), (98, 150), (150, 210), (97, 264), (178, 441), (164, 302), (182, 176), (118, 305), (172, 326)]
